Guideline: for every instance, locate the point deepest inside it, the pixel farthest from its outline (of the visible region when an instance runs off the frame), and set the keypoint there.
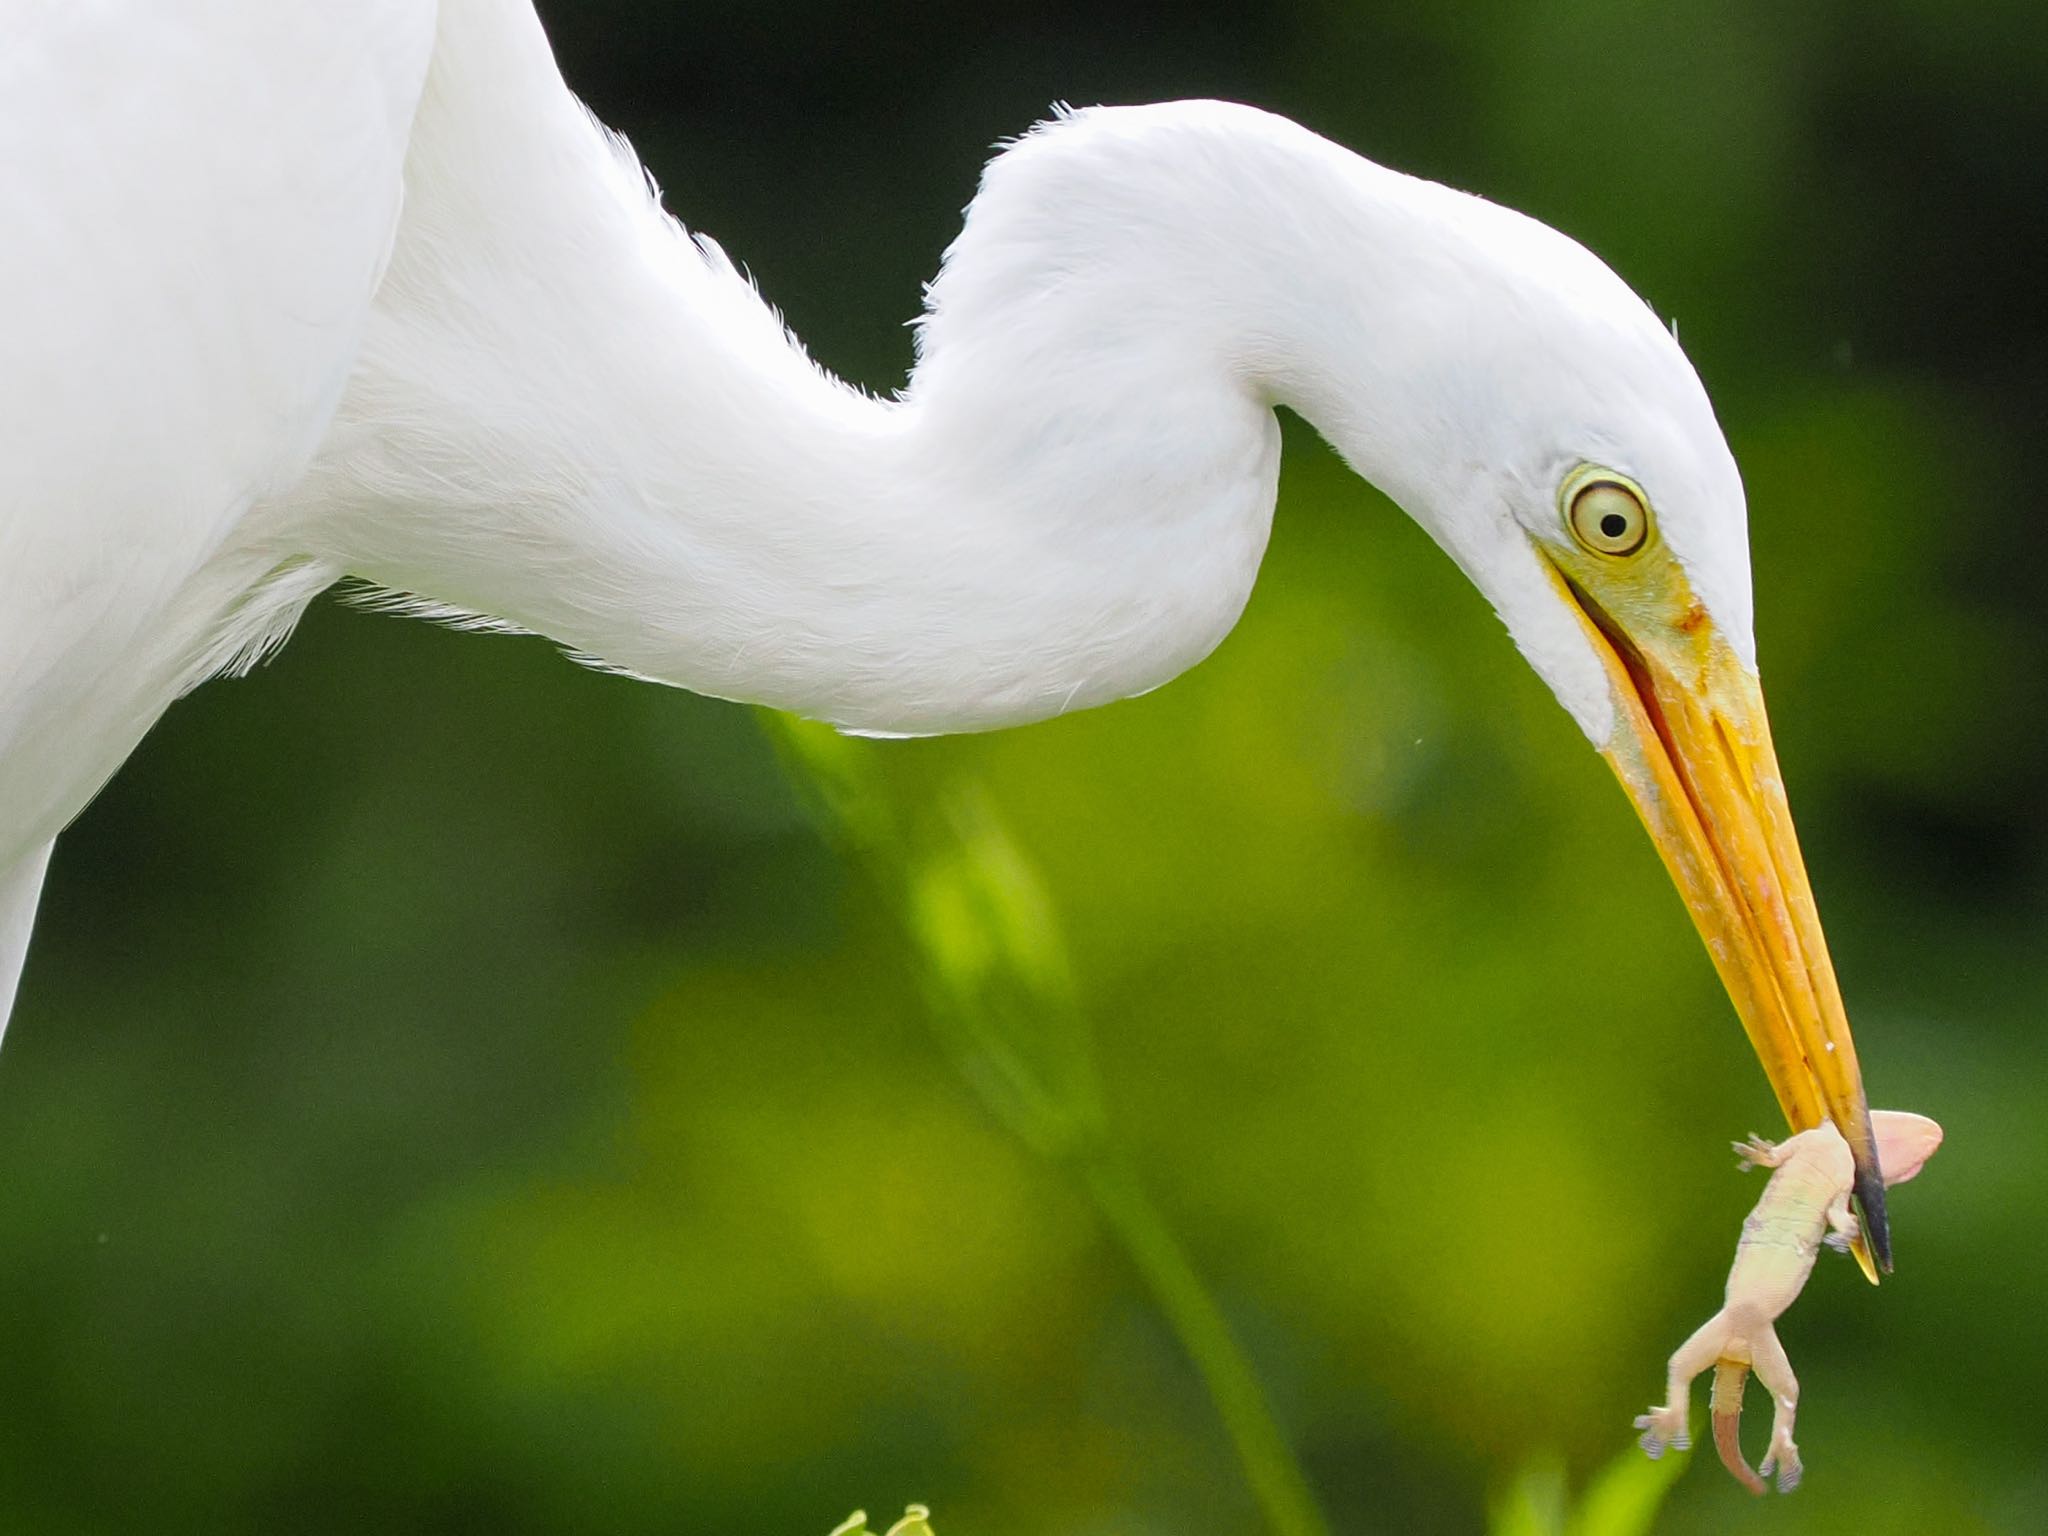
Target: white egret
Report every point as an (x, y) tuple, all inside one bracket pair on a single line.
[(300, 291)]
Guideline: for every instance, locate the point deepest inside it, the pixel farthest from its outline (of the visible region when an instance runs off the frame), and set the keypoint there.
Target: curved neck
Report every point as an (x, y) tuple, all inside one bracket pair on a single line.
[(572, 418)]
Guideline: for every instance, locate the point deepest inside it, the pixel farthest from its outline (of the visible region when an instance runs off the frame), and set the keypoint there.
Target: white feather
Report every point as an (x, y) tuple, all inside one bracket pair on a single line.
[(405, 312)]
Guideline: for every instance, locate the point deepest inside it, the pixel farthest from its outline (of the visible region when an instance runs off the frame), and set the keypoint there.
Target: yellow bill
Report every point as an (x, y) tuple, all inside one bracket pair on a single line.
[(1692, 746)]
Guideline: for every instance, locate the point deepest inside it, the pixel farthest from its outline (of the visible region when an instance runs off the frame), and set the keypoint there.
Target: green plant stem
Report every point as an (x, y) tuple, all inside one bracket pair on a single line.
[(1269, 1463), (998, 991)]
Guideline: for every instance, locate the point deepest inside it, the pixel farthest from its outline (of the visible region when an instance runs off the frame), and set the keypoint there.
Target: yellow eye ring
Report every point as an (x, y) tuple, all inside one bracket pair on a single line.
[(1607, 512)]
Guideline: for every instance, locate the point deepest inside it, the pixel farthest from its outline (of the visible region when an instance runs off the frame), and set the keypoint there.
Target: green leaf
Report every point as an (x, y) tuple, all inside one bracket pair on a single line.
[(1624, 1498), (916, 1521), (1534, 1503)]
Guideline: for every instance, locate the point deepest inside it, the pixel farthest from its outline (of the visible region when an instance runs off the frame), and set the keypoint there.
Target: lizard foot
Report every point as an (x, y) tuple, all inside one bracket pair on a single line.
[(1661, 1427), (1784, 1456), (1756, 1153)]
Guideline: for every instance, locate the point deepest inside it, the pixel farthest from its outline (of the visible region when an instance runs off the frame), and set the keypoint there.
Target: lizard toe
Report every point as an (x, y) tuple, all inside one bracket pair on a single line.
[(1661, 1429), (1789, 1469)]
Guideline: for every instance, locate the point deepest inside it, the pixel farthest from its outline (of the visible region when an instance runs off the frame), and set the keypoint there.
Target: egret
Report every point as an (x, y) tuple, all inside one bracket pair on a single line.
[(300, 291)]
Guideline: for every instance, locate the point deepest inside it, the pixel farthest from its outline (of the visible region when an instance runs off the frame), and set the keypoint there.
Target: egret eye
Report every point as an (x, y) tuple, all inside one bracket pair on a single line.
[(1607, 516)]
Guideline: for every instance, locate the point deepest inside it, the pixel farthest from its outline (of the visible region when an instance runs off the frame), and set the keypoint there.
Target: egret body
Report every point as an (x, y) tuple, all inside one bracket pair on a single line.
[(313, 291)]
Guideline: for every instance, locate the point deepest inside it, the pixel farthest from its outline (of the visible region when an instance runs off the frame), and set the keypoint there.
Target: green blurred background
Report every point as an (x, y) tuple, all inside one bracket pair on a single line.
[(454, 1091)]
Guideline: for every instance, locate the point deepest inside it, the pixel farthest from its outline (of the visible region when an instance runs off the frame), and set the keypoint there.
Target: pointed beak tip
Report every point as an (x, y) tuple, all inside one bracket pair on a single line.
[(1876, 1226)]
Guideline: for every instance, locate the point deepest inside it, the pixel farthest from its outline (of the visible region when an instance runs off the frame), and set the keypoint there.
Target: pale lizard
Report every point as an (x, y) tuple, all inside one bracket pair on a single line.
[(1805, 1203)]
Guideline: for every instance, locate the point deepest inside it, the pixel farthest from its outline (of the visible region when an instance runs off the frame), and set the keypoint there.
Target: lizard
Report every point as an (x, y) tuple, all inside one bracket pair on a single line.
[(1805, 1204)]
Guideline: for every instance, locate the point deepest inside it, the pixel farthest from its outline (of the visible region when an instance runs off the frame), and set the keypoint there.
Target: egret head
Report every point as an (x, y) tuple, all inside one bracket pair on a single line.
[(1547, 429)]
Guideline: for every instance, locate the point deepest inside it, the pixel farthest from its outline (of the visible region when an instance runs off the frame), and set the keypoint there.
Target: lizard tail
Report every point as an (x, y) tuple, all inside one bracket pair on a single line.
[(1730, 1376)]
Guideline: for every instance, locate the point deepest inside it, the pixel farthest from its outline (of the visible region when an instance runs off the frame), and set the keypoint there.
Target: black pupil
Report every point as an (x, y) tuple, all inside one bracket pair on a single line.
[(1614, 525)]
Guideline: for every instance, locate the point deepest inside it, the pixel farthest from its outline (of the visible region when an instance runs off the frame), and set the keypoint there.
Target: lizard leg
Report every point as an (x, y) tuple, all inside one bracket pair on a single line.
[(1774, 1370), (1842, 1225), (1666, 1424)]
